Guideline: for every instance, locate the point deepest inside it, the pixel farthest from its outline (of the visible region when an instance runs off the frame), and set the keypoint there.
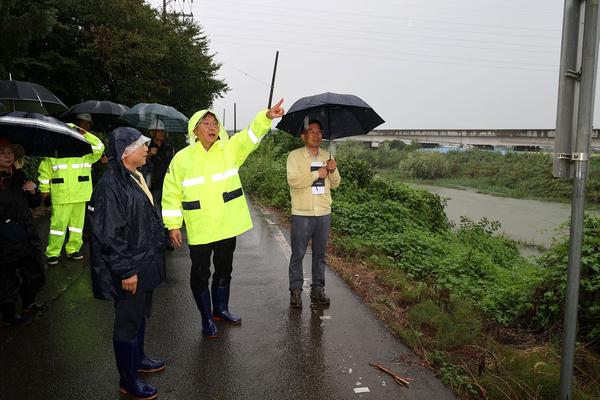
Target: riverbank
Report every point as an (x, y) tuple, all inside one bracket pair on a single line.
[(481, 186), (513, 174), (530, 222)]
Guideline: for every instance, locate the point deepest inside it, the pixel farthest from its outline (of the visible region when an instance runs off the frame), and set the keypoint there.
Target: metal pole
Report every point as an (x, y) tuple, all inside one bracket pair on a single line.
[(164, 9), (580, 158), (568, 89), (273, 79), (224, 119), (234, 118)]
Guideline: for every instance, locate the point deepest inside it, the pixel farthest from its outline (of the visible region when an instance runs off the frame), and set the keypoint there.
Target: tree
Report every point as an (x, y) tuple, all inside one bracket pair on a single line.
[(17, 17), (121, 50)]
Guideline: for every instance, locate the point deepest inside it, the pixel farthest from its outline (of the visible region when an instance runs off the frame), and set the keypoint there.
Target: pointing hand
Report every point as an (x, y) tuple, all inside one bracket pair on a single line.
[(276, 111)]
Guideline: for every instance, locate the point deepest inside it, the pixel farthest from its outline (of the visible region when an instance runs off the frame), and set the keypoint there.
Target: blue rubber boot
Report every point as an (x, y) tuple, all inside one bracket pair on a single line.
[(127, 357), (220, 296), (209, 329), (147, 364)]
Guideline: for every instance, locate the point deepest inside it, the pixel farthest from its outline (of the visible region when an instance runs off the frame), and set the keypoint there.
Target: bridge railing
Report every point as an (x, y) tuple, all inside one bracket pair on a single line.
[(539, 133)]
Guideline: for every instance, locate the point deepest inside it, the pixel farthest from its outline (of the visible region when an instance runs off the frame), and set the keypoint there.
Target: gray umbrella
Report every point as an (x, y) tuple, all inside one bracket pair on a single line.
[(29, 97), (340, 115), (144, 115), (105, 114)]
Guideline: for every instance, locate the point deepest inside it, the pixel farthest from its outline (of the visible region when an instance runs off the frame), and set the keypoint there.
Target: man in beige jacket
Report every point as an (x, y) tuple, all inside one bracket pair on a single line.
[(311, 174)]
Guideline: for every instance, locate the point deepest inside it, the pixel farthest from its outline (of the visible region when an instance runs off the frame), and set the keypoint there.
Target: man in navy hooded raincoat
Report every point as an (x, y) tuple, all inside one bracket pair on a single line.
[(127, 255)]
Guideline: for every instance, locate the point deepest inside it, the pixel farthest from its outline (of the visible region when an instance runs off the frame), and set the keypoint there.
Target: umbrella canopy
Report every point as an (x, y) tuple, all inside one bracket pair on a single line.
[(144, 115), (340, 115), (43, 136), (29, 97), (105, 114)]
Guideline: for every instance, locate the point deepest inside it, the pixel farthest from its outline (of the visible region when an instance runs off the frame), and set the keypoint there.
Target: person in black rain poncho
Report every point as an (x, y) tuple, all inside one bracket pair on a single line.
[(21, 262), (127, 255)]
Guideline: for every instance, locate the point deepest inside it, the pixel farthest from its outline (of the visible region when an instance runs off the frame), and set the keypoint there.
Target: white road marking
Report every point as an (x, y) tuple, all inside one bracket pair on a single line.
[(285, 247)]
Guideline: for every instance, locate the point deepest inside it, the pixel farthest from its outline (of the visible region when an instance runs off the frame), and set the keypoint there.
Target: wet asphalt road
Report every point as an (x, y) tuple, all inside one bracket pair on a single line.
[(276, 353)]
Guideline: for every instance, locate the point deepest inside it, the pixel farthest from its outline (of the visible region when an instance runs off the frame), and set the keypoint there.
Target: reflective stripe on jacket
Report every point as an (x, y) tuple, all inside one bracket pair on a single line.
[(69, 179), (203, 188)]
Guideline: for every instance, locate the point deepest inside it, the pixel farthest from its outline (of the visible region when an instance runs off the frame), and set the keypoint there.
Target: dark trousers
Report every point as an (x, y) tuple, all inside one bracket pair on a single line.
[(130, 311), (305, 229), (222, 258), (25, 277)]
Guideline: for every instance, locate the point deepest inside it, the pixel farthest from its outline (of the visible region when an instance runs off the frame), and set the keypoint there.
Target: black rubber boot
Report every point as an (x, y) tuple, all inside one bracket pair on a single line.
[(147, 364), (127, 357), (209, 329), (220, 295)]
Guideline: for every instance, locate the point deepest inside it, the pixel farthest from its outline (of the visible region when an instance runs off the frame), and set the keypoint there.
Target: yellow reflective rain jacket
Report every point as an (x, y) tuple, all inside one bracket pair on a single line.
[(203, 188), (69, 179)]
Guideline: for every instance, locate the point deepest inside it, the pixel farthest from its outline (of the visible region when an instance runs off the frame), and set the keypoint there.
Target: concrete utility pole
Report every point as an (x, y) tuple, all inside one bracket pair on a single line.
[(234, 118), (273, 79), (579, 58)]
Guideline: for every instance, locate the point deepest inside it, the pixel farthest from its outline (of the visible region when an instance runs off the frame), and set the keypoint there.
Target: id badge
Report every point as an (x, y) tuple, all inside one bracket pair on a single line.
[(318, 190), (318, 186)]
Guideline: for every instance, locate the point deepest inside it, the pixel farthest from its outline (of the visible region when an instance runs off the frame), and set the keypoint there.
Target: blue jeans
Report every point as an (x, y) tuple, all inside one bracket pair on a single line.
[(305, 228)]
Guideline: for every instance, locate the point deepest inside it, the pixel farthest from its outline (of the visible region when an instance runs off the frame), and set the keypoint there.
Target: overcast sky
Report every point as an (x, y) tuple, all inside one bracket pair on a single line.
[(438, 64)]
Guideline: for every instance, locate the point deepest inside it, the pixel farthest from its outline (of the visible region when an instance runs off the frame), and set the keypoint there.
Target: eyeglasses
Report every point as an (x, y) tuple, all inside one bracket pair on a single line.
[(209, 124), (7, 152)]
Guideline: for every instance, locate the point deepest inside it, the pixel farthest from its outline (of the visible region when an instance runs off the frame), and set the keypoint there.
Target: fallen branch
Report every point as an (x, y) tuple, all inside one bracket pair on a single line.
[(399, 380)]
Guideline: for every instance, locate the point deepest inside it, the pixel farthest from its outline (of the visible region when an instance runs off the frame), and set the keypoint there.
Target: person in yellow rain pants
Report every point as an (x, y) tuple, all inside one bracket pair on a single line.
[(69, 183)]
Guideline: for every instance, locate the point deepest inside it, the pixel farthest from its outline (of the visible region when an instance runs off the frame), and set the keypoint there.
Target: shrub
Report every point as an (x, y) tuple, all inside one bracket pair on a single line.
[(550, 295), (425, 166), (459, 326)]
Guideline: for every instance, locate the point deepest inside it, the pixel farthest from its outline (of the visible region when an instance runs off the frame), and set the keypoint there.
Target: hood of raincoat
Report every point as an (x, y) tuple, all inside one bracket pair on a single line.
[(198, 115), (119, 139)]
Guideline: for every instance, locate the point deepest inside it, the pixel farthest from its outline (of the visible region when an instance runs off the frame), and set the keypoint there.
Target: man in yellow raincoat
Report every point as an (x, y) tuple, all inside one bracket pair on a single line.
[(202, 187), (69, 183)]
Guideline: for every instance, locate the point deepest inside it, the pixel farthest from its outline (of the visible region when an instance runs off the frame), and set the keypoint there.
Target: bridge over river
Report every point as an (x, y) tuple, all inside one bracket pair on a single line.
[(517, 139)]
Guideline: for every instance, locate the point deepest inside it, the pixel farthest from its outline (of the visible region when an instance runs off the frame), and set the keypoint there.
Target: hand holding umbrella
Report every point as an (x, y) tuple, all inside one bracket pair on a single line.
[(331, 165)]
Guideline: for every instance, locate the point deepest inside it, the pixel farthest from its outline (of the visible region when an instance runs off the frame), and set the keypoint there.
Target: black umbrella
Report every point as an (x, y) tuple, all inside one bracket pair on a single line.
[(144, 116), (104, 113), (340, 115), (29, 97), (43, 136)]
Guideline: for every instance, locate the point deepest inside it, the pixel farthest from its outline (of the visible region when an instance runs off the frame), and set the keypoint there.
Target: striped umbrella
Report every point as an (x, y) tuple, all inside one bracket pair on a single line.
[(144, 115)]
